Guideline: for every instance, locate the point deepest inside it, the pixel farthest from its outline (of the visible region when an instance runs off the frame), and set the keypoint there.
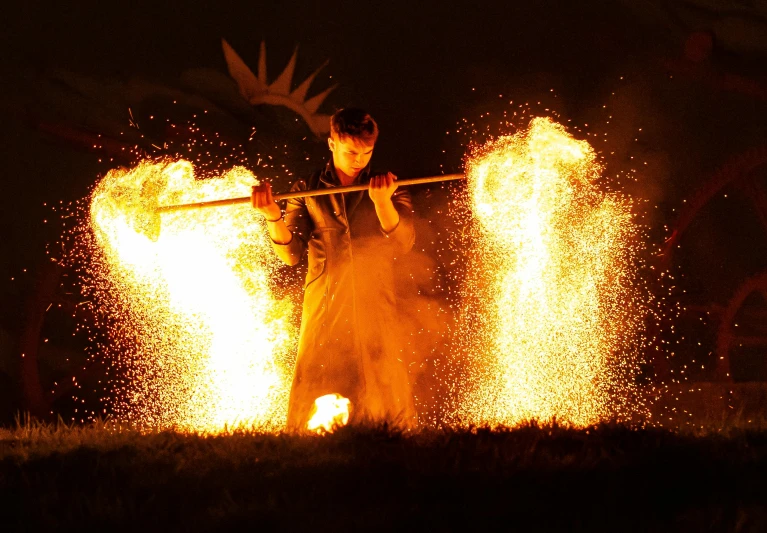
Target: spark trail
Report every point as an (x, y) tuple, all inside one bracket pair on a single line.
[(552, 312), (198, 338)]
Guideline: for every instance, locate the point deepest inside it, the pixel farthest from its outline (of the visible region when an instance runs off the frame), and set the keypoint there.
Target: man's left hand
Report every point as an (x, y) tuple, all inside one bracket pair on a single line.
[(382, 187)]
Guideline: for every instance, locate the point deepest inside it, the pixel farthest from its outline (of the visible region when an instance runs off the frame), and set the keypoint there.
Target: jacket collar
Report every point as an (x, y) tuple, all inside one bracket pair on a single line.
[(330, 178)]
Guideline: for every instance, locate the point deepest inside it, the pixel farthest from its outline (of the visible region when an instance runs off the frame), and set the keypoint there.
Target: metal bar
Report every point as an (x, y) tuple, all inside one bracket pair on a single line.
[(306, 194)]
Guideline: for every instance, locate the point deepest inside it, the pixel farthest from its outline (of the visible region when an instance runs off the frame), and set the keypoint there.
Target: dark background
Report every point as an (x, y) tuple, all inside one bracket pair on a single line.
[(673, 111)]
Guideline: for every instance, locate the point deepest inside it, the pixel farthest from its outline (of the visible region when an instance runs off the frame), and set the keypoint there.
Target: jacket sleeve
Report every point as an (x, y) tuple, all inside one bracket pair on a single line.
[(300, 225), (403, 234)]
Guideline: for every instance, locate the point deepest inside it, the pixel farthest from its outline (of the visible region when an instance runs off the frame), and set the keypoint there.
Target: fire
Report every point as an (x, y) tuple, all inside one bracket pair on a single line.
[(200, 339), (551, 316), (554, 322), (330, 412)]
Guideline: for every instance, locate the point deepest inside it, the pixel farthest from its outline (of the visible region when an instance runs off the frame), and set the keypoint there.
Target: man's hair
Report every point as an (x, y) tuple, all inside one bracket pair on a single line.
[(355, 123)]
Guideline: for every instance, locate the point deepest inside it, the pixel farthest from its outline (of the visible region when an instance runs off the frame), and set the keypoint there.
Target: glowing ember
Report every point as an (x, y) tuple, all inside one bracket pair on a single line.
[(198, 338), (553, 323), (330, 412)]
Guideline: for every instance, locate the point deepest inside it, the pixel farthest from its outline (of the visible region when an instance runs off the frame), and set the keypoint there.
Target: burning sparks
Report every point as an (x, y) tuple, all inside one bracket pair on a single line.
[(552, 318), (199, 340), (551, 312), (329, 412)]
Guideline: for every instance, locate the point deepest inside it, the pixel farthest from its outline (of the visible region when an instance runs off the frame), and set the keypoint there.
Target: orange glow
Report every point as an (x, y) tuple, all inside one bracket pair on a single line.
[(553, 316), (200, 340), (330, 412)]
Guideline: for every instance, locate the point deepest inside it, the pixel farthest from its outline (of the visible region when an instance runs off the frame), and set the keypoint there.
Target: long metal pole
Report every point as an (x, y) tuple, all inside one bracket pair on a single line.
[(306, 194)]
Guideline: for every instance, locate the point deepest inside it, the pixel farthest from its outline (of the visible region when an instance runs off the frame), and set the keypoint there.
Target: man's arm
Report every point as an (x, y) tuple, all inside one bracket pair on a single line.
[(381, 189), (394, 209), (289, 234)]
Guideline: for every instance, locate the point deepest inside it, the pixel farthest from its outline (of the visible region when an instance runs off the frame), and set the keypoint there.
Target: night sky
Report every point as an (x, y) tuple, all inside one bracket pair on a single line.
[(420, 68)]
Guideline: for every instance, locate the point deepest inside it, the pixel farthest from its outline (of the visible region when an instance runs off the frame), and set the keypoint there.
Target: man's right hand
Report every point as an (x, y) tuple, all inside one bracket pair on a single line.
[(262, 200)]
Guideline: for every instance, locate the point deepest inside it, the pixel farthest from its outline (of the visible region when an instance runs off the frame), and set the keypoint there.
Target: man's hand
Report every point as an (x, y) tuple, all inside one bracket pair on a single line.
[(381, 188), (262, 201), (380, 191)]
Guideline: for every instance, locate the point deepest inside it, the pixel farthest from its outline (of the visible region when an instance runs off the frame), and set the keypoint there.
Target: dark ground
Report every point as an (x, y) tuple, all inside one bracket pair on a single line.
[(606, 478)]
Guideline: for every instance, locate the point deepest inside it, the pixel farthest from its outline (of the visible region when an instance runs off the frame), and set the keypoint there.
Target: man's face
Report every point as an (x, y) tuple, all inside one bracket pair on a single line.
[(350, 155)]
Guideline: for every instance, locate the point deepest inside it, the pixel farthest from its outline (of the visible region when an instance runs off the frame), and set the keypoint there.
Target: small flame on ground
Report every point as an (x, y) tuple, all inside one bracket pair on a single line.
[(552, 316), (330, 412), (198, 338)]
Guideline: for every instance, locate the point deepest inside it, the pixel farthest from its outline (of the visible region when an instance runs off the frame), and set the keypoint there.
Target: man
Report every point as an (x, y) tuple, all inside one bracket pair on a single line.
[(348, 340)]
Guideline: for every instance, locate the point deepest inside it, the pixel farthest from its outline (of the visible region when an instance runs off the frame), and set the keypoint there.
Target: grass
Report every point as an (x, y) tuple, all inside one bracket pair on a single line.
[(533, 478)]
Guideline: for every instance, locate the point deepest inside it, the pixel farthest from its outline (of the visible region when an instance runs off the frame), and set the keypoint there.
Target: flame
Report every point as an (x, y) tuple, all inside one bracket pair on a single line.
[(330, 412), (554, 322), (200, 341)]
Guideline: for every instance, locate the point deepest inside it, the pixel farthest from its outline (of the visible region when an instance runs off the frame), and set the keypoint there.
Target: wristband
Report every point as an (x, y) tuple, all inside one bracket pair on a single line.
[(275, 220)]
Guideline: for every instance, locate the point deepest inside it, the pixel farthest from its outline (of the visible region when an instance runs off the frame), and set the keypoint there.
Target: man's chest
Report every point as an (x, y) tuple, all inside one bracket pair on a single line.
[(349, 212)]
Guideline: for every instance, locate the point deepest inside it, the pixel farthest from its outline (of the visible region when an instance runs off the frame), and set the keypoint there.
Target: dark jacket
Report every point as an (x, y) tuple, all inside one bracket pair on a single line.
[(347, 343)]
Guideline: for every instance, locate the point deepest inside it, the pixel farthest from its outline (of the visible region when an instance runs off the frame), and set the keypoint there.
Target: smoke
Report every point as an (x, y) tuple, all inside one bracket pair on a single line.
[(426, 306)]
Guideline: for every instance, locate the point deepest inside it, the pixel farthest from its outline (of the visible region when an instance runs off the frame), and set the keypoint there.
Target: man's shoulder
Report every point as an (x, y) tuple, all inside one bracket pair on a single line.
[(313, 180), (307, 183)]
